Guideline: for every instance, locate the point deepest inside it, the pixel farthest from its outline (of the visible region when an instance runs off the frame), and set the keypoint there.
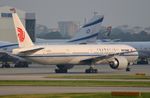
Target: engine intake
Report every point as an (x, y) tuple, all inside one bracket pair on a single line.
[(119, 63)]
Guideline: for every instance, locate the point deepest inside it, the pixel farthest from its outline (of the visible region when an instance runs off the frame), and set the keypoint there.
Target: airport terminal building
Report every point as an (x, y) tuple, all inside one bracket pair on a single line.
[(7, 30)]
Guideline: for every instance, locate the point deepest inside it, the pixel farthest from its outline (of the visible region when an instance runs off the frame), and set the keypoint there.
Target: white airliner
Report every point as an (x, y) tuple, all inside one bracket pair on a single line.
[(86, 34), (64, 56)]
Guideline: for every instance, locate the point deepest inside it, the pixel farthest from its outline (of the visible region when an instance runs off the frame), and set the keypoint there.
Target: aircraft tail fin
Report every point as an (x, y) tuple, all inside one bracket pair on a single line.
[(22, 36), (89, 31)]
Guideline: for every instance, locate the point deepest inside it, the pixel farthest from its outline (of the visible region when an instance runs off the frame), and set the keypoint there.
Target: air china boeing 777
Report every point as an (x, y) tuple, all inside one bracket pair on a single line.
[(65, 56)]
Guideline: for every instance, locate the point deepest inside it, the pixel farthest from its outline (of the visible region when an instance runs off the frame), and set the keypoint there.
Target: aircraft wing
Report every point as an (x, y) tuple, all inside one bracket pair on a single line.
[(10, 57), (103, 57)]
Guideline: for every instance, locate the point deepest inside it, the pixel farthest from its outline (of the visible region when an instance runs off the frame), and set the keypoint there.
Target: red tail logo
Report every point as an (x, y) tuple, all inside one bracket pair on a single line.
[(21, 34)]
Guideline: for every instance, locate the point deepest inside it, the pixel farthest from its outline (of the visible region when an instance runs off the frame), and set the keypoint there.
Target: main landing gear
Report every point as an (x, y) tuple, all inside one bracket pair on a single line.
[(128, 69), (4, 61), (63, 68), (91, 69), (5, 65), (21, 64)]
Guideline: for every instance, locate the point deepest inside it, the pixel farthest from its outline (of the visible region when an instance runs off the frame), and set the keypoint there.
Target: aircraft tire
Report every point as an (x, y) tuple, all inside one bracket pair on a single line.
[(128, 69), (91, 70), (61, 70), (5, 65), (21, 65)]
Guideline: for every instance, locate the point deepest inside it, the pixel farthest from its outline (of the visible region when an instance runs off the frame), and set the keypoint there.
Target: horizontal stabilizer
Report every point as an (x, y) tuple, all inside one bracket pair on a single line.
[(27, 50)]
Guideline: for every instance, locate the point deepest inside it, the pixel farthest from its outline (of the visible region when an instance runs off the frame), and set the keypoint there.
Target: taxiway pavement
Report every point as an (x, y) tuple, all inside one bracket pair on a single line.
[(9, 90), (39, 72)]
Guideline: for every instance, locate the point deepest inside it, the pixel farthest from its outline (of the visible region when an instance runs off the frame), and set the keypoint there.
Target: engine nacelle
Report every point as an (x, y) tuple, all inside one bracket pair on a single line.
[(119, 63), (65, 66)]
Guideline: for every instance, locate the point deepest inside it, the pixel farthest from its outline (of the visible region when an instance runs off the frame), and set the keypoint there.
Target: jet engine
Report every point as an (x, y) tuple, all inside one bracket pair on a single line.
[(119, 63)]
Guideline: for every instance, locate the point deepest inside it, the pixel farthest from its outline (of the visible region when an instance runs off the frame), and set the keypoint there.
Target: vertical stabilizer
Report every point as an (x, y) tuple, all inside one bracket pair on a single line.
[(21, 33), (89, 31)]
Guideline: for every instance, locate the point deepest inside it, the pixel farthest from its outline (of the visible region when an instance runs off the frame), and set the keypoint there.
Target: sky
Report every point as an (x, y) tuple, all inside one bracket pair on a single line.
[(116, 12)]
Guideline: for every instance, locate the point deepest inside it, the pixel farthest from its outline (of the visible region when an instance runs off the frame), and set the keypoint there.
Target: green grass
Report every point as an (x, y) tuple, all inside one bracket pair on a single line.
[(97, 76), (75, 95), (73, 83)]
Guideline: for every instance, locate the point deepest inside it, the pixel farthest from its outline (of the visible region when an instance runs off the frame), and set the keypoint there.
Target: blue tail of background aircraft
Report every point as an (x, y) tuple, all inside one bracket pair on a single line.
[(89, 31)]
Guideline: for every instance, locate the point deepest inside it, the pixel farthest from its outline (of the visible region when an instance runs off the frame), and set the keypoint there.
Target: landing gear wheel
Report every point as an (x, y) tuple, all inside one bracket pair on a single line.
[(61, 70), (21, 65), (91, 70), (5, 65), (128, 69)]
